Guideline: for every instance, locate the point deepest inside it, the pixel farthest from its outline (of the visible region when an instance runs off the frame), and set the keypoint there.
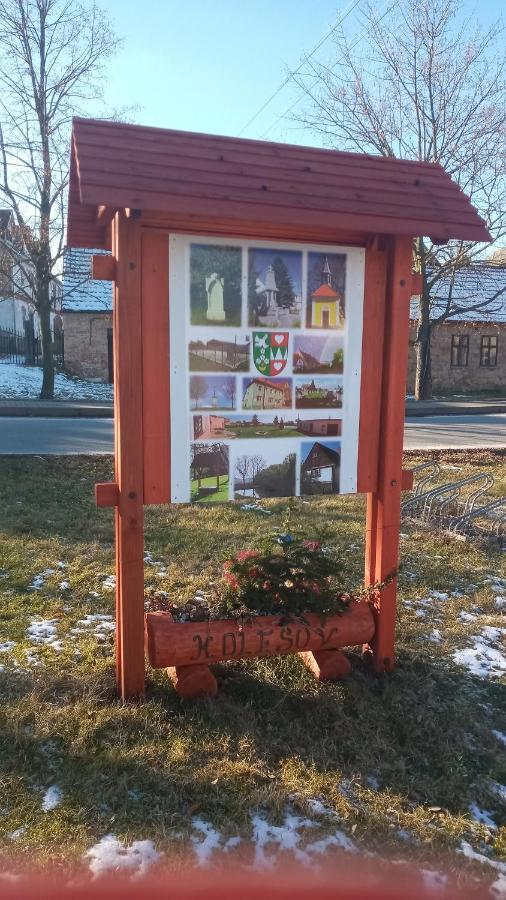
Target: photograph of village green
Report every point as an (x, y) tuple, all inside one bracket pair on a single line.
[(215, 285), (209, 473), (256, 477), (318, 354), (212, 392), (274, 288), (326, 278), (219, 426), (319, 467), (266, 393), (220, 354), (318, 393)]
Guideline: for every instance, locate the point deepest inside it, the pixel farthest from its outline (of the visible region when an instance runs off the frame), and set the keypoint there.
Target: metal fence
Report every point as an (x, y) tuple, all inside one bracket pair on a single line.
[(25, 349)]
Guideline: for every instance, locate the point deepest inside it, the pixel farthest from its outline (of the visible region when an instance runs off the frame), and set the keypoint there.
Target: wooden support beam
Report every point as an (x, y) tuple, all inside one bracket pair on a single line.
[(193, 681), (128, 457), (383, 506), (106, 494), (103, 268), (372, 363), (105, 215), (416, 284), (407, 479), (326, 665)]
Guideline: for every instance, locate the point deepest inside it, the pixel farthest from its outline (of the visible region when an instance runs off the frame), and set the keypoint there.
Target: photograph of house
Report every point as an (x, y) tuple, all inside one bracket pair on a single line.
[(319, 469), (317, 354), (209, 473), (212, 392), (215, 285), (274, 288), (318, 393), (324, 427), (208, 425), (257, 477), (263, 393), (220, 354), (325, 290)]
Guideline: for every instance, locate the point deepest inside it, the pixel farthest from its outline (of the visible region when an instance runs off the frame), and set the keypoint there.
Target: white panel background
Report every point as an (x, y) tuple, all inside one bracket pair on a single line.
[(181, 332)]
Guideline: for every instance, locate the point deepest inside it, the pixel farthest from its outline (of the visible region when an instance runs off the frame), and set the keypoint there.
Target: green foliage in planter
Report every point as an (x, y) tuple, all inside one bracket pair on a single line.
[(286, 573)]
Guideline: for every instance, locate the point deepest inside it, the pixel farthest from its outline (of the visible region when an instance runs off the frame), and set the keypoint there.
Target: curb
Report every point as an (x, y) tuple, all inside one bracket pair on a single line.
[(60, 409)]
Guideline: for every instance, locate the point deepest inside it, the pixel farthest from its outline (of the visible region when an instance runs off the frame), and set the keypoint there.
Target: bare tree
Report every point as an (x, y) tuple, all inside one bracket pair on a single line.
[(425, 83), (243, 468), (198, 388), (52, 58)]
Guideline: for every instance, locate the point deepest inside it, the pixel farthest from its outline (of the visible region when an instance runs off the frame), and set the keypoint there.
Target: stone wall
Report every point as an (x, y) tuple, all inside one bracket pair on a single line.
[(448, 379), (86, 353)]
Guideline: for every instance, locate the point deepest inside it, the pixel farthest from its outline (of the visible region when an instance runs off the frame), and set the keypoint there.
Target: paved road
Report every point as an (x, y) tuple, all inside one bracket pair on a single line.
[(69, 436)]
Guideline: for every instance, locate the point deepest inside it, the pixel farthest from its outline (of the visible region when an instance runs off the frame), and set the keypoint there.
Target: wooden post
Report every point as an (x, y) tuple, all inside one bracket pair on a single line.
[(383, 506), (128, 457)]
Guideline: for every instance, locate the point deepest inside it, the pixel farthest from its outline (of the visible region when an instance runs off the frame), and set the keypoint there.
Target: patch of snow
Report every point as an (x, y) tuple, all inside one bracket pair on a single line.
[(467, 617), (469, 853), (439, 595), (37, 583), (435, 636), (109, 583), (482, 659), (421, 613), (31, 658), (112, 855), (499, 789), (498, 887), (7, 646), (205, 848), (19, 832), (64, 585), (52, 798), (373, 782), (24, 382), (500, 602), (482, 816), (500, 735), (42, 631), (434, 880)]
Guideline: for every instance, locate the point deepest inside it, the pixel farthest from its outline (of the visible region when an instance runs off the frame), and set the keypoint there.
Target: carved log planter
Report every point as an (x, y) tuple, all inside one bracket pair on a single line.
[(186, 649)]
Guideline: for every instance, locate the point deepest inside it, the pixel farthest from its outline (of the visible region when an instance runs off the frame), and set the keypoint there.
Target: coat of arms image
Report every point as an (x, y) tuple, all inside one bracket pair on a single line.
[(270, 351)]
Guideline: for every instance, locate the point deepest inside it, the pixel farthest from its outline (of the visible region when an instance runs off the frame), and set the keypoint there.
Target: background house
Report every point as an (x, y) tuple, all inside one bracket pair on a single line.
[(87, 317), (18, 316), (468, 350)]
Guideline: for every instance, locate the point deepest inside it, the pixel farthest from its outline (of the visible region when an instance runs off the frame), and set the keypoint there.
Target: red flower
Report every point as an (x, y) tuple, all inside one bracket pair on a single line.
[(229, 576), (311, 545), (246, 554)]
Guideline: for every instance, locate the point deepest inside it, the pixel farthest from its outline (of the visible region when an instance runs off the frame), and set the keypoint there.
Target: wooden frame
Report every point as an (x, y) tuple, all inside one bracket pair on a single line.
[(130, 187)]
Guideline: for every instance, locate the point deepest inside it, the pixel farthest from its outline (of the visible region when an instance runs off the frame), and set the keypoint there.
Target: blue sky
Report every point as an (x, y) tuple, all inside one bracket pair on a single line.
[(209, 66)]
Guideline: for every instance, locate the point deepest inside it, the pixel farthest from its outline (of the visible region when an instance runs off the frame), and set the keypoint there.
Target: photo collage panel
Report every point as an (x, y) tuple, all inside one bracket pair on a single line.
[(265, 362)]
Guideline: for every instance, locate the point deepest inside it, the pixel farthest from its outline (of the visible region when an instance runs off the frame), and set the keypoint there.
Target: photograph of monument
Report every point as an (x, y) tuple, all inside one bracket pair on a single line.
[(318, 354), (212, 392), (319, 468), (215, 285), (326, 281), (274, 288)]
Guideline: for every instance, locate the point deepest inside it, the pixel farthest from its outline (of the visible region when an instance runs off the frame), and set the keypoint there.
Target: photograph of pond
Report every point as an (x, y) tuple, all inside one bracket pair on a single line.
[(215, 285), (212, 392), (318, 393), (220, 354), (326, 280), (274, 288), (318, 354), (319, 468), (209, 472), (257, 476)]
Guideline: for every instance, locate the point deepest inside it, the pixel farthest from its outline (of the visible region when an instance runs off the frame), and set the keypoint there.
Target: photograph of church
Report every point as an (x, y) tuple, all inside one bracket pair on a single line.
[(318, 354), (274, 288), (326, 290), (215, 285)]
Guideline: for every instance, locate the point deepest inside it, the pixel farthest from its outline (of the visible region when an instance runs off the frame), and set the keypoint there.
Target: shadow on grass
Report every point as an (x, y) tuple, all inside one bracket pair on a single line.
[(271, 731)]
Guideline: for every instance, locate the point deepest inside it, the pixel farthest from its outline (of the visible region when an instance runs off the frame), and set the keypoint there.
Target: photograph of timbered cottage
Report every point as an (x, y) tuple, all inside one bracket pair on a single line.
[(274, 288), (318, 393), (220, 354), (318, 354), (319, 470), (326, 280), (209, 473), (215, 285), (263, 393)]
